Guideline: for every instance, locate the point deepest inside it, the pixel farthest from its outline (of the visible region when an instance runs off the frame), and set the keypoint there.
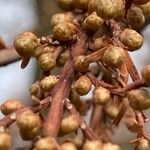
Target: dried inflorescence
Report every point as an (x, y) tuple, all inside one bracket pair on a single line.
[(89, 45)]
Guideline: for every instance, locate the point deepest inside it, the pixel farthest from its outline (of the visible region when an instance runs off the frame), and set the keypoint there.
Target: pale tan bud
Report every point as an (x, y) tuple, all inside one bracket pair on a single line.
[(143, 144), (68, 146), (110, 146), (5, 141), (92, 145)]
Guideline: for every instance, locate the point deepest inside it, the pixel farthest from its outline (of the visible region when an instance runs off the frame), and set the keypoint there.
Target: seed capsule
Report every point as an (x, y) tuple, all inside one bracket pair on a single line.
[(101, 96), (132, 39), (146, 74), (92, 145), (26, 43), (69, 124), (48, 82), (80, 64), (140, 2), (64, 31), (68, 146), (143, 144), (83, 85), (47, 61), (98, 43), (66, 4), (5, 141), (46, 143), (110, 146), (145, 8), (35, 88), (29, 125), (61, 18), (10, 105), (139, 99), (110, 8), (114, 56), (93, 22), (136, 18)]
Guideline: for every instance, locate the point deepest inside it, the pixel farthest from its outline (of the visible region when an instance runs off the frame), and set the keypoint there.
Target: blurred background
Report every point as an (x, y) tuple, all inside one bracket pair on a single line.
[(17, 16)]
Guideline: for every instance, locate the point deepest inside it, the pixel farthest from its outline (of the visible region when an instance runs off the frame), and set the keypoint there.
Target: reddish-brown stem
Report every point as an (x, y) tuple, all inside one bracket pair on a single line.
[(89, 134), (9, 119), (25, 62)]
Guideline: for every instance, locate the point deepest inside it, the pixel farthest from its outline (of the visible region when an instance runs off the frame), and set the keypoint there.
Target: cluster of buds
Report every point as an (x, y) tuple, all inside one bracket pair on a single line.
[(89, 45)]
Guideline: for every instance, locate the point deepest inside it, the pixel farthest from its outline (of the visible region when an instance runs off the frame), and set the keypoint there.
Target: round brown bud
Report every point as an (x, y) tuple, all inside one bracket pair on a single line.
[(114, 56), (93, 22), (66, 4), (146, 74), (81, 4), (48, 82), (139, 99), (111, 111), (143, 144), (69, 124), (140, 2), (98, 43), (145, 8), (10, 105), (26, 43), (110, 8), (78, 141), (47, 61), (29, 125), (92, 6), (101, 96), (110, 146), (42, 50), (35, 88), (132, 39), (64, 31), (5, 141), (68, 146), (63, 58), (136, 18), (80, 63), (92, 145), (46, 143), (61, 18), (83, 85)]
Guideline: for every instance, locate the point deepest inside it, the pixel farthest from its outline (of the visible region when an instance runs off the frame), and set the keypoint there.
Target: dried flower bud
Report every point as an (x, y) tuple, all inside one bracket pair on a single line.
[(61, 18), (146, 74), (29, 125), (114, 56), (46, 143), (98, 43), (145, 8), (83, 85), (110, 8), (26, 43), (92, 6), (5, 141), (35, 88), (69, 124), (143, 144), (140, 2), (110, 146), (10, 105), (63, 58), (64, 31), (48, 82), (47, 61), (111, 111), (132, 39), (92, 145), (68, 146), (139, 99), (101, 96), (78, 141), (43, 50), (66, 4), (81, 4), (80, 63), (136, 18), (93, 22)]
